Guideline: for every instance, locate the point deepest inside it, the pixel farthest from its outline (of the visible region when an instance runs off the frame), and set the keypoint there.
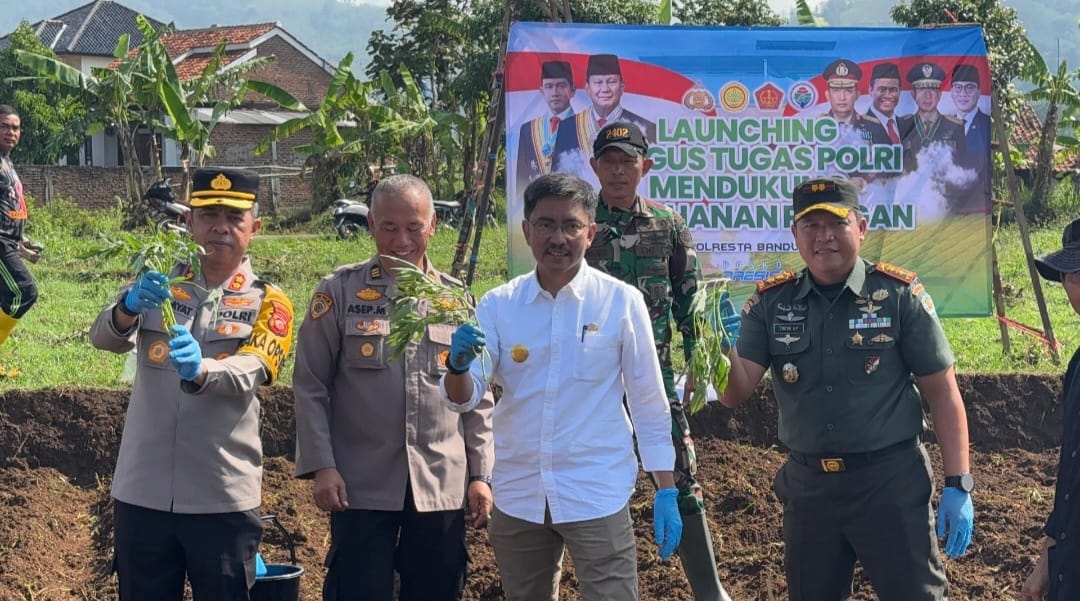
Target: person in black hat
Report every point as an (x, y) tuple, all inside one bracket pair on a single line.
[(604, 84), (965, 91), (854, 348), (927, 125), (187, 485), (536, 138), (648, 246), (1054, 577), (885, 98)]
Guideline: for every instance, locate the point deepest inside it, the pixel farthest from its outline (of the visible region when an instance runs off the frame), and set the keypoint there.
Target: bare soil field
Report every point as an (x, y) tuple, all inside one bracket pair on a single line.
[(57, 449)]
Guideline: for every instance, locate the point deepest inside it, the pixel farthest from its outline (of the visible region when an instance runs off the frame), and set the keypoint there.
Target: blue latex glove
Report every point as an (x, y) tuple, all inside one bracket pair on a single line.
[(955, 509), (667, 523), (185, 354), (149, 292), (465, 344), (260, 566), (725, 315)]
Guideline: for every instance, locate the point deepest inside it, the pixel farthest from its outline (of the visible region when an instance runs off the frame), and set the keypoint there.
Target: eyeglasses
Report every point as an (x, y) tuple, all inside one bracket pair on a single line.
[(547, 227), (966, 87)]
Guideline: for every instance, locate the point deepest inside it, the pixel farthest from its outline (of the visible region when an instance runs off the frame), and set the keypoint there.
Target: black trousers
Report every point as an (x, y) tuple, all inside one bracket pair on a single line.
[(156, 549), (427, 549), (18, 290), (1063, 560), (878, 514)]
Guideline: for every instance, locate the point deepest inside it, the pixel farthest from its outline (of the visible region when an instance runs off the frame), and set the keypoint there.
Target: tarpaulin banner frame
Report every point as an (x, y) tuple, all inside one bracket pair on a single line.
[(737, 117)]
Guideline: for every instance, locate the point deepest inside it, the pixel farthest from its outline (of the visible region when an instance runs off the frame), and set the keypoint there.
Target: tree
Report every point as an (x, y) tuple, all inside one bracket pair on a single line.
[(1007, 47), (1063, 102), (52, 118), (743, 13)]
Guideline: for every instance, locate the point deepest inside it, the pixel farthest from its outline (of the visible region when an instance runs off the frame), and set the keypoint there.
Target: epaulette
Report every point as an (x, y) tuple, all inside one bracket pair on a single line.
[(953, 119), (450, 280), (870, 118), (896, 272), (775, 280)]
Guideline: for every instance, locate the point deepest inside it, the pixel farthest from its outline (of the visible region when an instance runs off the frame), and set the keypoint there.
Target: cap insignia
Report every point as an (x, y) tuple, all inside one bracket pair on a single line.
[(221, 182)]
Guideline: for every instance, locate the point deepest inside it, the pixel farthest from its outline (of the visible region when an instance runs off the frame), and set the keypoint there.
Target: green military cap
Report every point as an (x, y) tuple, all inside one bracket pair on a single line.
[(833, 194), (842, 73), (233, 188), (926, 75)]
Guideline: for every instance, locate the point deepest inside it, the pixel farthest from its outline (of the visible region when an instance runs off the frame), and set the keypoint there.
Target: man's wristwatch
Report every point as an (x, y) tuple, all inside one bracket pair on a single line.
[(964, 482), (484, 479), (451, 370)]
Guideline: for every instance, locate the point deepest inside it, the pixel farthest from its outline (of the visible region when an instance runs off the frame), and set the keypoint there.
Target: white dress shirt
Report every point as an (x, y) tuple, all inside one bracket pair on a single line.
[(562, 436)]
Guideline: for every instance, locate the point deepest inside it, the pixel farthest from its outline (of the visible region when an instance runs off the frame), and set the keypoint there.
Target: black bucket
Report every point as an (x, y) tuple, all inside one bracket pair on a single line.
[(281, 581)]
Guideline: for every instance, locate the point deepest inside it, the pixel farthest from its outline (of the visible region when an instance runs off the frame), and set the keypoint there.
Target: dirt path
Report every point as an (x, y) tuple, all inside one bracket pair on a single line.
[(57, 450)]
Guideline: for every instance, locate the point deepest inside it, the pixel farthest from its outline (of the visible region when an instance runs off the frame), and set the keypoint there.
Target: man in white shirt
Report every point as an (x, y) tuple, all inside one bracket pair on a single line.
[(566, 343)]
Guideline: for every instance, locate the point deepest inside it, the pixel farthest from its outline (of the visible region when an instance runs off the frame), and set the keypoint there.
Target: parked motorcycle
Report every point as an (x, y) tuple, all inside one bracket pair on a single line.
[(350, 217), (165, 212), (448, 212)]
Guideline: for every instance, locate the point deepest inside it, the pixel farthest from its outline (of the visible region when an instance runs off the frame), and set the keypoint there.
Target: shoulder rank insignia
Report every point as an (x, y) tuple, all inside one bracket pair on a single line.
[(775, 280), (895, 272)]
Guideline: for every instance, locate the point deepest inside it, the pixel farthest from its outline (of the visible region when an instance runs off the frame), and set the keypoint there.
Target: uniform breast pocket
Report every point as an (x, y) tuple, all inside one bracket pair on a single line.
[(438, 347), (866, 351), (787, 339), (154, 347), (224, 338), (364, 345), (597, 358)]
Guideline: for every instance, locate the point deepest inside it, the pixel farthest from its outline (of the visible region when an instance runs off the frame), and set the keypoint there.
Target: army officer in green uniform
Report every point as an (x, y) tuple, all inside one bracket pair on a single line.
[(853, 348), (647, 245)]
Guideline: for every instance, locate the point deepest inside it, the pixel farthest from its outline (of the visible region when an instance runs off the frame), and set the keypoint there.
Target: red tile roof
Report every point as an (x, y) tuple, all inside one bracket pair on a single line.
[(192, 66), (186, 40), (195, 45), (1026, 132)]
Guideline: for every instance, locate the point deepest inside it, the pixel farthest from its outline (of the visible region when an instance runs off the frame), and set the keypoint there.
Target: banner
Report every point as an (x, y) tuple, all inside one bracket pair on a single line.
[(738, 117)]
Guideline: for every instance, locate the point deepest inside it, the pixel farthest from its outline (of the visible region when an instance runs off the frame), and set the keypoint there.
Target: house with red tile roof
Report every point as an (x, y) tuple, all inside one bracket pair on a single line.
[(87, 36)]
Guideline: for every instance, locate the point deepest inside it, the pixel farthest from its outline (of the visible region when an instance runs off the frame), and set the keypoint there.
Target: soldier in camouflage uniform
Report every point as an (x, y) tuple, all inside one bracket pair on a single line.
[(645, 244)]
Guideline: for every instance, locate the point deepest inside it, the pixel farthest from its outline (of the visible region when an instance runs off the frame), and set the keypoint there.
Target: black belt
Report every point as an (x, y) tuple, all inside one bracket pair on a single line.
[(832, 463)]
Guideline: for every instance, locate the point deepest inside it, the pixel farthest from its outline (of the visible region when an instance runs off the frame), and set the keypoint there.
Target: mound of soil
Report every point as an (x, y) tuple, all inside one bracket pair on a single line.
[(57, 449)]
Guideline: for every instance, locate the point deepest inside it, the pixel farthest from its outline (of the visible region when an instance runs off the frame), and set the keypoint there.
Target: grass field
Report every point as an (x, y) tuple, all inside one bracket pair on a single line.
[(50, 347)]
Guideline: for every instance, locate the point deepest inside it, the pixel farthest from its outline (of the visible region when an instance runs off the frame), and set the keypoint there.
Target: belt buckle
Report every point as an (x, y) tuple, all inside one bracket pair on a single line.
[(832, 465)]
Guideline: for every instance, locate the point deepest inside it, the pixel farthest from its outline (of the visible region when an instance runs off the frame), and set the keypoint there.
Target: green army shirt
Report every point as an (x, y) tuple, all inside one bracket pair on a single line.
[(649, 246), (841, 370)]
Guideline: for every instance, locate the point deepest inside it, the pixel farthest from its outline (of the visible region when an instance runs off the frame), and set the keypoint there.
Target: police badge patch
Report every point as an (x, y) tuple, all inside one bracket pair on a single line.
[(320, 305)]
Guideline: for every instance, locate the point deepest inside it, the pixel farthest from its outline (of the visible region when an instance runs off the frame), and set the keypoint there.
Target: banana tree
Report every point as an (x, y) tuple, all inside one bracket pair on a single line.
[(109, 94), (223, 91), (1058, 90)]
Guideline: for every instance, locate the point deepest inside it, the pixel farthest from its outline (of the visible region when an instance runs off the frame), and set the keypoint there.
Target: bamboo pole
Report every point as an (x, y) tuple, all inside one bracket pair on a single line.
[(1025, 237)]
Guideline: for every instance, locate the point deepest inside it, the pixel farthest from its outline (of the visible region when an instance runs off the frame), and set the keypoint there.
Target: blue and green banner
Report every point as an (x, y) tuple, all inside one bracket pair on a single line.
[(738, 117)]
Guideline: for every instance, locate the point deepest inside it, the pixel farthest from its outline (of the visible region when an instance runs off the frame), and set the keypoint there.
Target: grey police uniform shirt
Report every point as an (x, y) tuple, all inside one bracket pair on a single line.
[(381, 422), (188, 449), (841, 371)]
